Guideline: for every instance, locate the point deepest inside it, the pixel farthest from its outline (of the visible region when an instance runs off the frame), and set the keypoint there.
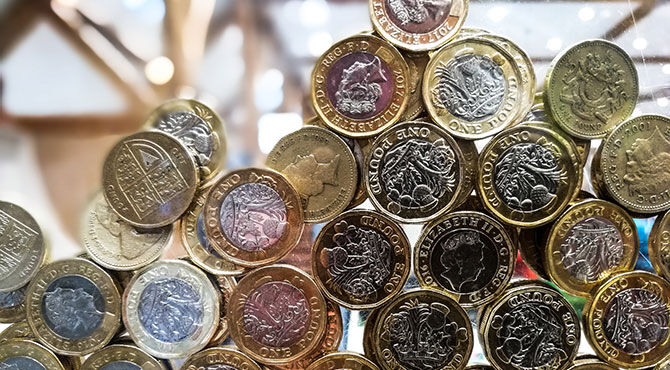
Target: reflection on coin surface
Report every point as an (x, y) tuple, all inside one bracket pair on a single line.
[(17, 330), (21, 247), (219, 358), (659, 245), (417, 66), (27, 355), (121, 357), (343, 361), (226, 285), (149, 179), (171, 309), (12, 305)]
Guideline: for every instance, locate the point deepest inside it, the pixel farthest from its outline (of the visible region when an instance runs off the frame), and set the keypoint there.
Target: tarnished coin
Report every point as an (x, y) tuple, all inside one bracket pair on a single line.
[(73, 307), (360, 86), (591, 241), (468, 255), (414, 172), (590, 88), (659, 245), (277, 314), (472, 88), (219, 358), (627, 319), (528, 175), (149, 179), (22, 248), (122, 357), (253, 217), (27, 355), (361, 259), (17, 330), (115, 244), (342, 360), (417, 66), (634, 163), (171, 309), (12, 305), (320, 166)]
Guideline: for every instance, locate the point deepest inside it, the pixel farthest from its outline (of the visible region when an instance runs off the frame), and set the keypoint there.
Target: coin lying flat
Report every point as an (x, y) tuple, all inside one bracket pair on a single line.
[(149, 179), (659, 245), (343, 360), (21, 247), (17, 330), (27, 355), (223, 358), (12, 305), (121, 357), (581, 146), (590, 364)]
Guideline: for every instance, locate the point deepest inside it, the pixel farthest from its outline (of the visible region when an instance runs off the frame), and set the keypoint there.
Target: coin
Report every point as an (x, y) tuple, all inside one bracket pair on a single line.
[(361, 259), (277, 314), (253, 217), (321, 167), (27, 355), (581, 146), (149, 179), (590, 364), (531, 250), (590, 88), (360, 86), (417, 66), (470, 163), (343, 360), (21, 247), (417, 25), (171, 309), (17, 330), (117, 245), (659, 245), (528, 175), (121, 357), (479, 367), (467, 255), (414, 172), (663, 365), (634, 162), (591, 241), (627, 319), (226, 285), (12, 305), (472, 89), (222, 358)]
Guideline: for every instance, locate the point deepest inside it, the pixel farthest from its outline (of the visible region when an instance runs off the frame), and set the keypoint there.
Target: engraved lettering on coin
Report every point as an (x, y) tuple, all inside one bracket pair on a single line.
[(636, 320), (591, 247), (21, 363), (253, 216), (219, 367), (121, 365), (422, 336), (73, 307), (202, 236), (462, 259), (648, 167), (15, 239), (311, 172), (418, 16), (471, 87), (276, 314), (170, 309), (192, 131), (13, 298), (527, 176)]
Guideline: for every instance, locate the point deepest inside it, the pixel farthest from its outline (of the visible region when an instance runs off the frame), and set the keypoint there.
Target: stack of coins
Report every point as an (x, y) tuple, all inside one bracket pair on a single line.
[(398, 111)]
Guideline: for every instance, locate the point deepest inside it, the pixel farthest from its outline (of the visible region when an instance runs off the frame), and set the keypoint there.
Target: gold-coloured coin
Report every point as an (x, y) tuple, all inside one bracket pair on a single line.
[(321, 167), (634, 164), (417, 63), (472, 88), (590, 364), (277, 314), (528, 175), (591, 241), (223, 358), (149, 179), (470, 163), (115, 244), (21, 246), (357, 283), (17, 330), (360, 86), (122, 356), (73, 306), (663, 365), (343, 360), (581, 146), (590, 88), (226, 285), (12, 305), (659, 245), (627, 318), (253, 217), (28, 355)]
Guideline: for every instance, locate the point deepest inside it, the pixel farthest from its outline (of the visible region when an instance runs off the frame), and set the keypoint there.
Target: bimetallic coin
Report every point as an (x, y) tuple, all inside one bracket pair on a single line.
[(414, 172), (361, 259), (590, 88), (627, 319), (659, 245), (149, 179), (468, 255), (22, 247), (343, 360), (17, 330), (73, 307), (220, 358), (360, 86), (277, 314), (122, 357), (417, 66), (12, 305), (27, 355), (115, 244), (253, 217), (582, 147)]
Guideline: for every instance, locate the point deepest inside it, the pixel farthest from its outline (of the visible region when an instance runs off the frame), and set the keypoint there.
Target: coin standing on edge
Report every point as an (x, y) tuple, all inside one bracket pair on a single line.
[(226, 285), (659, 245), (28, 355), (417, 63), (13, 305), (343, 360), (223, 358), (121, 357)]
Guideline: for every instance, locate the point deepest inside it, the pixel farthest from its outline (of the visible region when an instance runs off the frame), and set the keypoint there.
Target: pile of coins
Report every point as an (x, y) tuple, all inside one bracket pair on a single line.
[(398, 112)]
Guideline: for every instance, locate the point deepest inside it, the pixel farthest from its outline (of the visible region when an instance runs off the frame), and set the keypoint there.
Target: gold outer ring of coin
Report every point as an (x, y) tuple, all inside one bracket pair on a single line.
[(579, 146), (17, 330), (13, 308), (188, 274), (25, 255), (219, 356), (362, 222), (417, 63), (399, 77), (116, 245), (596, 308), (343, 360), (385, 21), (27, 349), (659, 245), (512, 98), (252, 286), (629, 143), (590, 364), (567, 184), (215, 128), (577, 214), (290, 223), (157, 180), (226, 285), (565, 91), (314, 154), (117, 353), (86, 272)]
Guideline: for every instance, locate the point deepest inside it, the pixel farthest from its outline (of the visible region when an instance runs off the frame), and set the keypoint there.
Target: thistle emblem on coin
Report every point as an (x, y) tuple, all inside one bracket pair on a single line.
[(360, 88)]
